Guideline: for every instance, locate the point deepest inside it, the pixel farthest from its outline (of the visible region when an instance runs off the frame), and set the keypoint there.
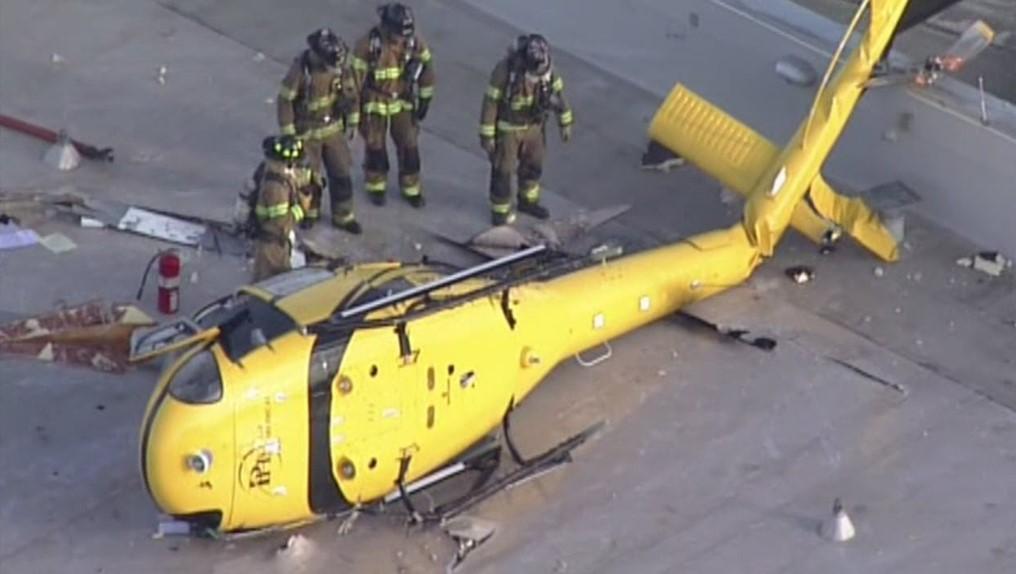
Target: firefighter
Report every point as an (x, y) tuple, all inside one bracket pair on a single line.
[(279, 203), (319, 103), (524, 89), (396, 78)]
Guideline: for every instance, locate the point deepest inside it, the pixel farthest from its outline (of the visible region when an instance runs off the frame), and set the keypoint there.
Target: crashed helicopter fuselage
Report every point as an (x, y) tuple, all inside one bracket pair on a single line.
[(323, 389)]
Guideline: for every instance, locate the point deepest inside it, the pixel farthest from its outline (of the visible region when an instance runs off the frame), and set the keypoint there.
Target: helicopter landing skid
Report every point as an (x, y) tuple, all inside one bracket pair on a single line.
[(530, 468)]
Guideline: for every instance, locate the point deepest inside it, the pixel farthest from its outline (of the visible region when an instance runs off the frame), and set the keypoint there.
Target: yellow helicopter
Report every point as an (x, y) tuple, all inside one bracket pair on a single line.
[(332, 388)]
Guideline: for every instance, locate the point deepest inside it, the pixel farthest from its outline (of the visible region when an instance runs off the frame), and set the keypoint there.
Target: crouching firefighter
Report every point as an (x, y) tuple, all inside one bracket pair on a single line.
[(524, 89), (279, 203), (319, 103), (396, 77)]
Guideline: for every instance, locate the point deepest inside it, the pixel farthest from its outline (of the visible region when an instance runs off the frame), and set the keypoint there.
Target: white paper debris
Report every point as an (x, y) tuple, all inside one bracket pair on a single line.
[(58, 243), (991, 262)]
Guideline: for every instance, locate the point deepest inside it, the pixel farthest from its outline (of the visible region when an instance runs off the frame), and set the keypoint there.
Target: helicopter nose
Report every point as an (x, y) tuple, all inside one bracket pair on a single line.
[(187, 457), (187, 464)]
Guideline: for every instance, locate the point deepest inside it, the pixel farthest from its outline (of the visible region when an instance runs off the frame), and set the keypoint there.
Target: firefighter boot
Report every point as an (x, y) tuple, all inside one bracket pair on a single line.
[(377, 198), (416, 201), (534, 208), (505, 218), (348, 224)]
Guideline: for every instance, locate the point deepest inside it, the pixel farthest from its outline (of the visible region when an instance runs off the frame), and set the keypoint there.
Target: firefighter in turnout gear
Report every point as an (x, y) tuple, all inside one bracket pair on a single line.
[(524, 89), (319, 103), (279, 203), (395, 74)]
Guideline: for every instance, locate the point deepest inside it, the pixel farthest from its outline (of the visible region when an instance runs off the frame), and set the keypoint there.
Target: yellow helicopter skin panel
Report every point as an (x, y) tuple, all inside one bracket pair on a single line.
[(712, 139), (449, 393), (605, 301), (183, 430), (269, 397)]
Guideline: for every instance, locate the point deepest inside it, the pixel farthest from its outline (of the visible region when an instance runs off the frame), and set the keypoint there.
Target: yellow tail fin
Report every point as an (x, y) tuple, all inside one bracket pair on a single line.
[(738, 157), (777, 182)]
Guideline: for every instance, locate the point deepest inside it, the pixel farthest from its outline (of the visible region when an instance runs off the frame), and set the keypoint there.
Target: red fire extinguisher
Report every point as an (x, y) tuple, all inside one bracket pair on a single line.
[(170, 269)]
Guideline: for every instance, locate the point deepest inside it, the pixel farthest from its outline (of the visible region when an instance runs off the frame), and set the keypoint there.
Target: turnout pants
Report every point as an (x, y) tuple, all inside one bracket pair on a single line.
[(271, 257), (375, 128), (519, 151), (331, 156)]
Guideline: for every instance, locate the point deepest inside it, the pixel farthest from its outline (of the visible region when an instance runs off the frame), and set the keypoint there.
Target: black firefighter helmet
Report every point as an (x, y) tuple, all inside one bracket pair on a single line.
[(397, 19), (285, 148), (327, 46)]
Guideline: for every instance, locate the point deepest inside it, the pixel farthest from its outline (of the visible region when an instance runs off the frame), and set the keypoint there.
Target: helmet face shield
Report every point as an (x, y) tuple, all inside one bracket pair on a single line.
[(328, 47), (536, 53)]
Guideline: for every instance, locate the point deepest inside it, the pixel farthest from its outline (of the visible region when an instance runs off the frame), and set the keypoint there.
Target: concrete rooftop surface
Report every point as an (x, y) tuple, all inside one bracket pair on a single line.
[(892, 387)]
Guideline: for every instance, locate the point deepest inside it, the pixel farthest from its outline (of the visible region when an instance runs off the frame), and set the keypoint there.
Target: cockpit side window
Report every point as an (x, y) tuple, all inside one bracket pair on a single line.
[(245, 323)]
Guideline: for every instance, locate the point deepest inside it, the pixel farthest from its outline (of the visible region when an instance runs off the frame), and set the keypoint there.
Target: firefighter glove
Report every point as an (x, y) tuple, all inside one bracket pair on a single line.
[(303, 199), (487, 143), (566, 133), (421, 109)]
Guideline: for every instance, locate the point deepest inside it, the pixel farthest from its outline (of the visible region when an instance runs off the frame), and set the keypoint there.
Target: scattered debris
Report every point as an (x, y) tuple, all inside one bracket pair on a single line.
[(800, 274), (826, 249), (50, 136), (659, 158), (56, 58), (560, 566), (347, 523), (469, 533), (728, 197), (90, 223), (58, 243), (503, 240), (839, 527), (160, 75), (879, 271), (739, 335), (172, 528), (62, 155), (160, 226), (871, 377), (183, 229), (297, 548), (12, 236), (270, 101), (796, 70), (259, 57), (991, 262), (92, 334)]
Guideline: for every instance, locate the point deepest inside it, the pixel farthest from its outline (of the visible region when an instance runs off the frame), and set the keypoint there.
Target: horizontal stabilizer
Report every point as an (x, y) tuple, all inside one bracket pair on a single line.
[(738, 156)]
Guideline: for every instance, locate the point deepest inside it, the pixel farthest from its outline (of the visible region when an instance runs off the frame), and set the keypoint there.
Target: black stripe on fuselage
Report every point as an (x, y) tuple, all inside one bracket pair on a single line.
[(324, 496)]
